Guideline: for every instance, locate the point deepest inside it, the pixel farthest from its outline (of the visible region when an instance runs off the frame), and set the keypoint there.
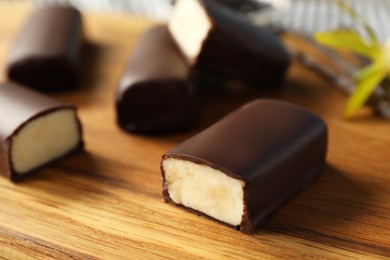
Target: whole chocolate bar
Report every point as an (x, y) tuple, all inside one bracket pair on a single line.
[(154, 95), (218, 40), (242, 168), (34, 130), (45, 53)]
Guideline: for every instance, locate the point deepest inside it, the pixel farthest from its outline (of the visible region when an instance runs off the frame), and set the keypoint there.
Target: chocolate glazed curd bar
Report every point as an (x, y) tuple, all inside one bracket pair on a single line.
[(34, 130), (217, 40), (45, 53), (154, 95), (244, 167)]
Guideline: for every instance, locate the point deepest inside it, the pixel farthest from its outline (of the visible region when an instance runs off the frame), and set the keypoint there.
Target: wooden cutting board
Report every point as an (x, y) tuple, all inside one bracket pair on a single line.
[(106, 203)]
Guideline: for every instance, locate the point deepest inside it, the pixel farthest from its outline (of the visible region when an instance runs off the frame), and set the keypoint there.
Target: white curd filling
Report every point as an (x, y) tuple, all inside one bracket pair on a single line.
[(44, 139), (205, 189), (189, 26)]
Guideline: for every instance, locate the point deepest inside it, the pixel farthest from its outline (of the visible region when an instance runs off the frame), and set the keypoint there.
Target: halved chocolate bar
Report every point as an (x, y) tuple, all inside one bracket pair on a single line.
[(34, 130), (45, 53), (242, 168), (220, 41), (154, 95)]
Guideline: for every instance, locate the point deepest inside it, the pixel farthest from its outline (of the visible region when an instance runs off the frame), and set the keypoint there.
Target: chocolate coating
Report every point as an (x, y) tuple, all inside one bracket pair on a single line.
[(154, 95), (238, 50), (18, 106), (45, 53), (275, 147)]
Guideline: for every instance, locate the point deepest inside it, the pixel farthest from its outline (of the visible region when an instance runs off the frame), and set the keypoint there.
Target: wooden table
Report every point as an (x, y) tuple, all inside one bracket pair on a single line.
[(106, 203)]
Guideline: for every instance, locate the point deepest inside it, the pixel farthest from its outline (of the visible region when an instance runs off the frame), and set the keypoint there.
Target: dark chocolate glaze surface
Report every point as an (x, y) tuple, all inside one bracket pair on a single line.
[(277, 148), (239, 50), (154, 95), (18, 106), (45, 53)]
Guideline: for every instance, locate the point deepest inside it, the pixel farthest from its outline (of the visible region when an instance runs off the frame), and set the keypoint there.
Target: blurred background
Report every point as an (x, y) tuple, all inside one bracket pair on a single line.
[(305, 16)]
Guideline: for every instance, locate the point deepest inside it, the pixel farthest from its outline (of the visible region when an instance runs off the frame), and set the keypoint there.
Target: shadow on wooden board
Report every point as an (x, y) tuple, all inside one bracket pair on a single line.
[(325, 210)]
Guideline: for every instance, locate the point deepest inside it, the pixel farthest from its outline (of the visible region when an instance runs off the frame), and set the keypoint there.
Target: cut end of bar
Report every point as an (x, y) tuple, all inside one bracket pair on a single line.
[(189, 25), (44, 139), (205, 189)]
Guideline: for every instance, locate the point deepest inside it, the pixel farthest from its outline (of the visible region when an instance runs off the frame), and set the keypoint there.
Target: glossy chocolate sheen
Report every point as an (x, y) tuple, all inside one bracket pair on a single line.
[(237, 49), (154, 95), (18, 106), (45, 53), (276, 148)]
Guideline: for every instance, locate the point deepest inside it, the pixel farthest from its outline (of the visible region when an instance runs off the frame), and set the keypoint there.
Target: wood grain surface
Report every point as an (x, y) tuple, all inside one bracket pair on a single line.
[(106, 203)]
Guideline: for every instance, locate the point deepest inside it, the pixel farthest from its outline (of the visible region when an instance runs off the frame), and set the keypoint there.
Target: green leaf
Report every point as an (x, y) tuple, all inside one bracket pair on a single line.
[(349, 40), (364, 89), (370, 69), (359, 19), (386, 55)]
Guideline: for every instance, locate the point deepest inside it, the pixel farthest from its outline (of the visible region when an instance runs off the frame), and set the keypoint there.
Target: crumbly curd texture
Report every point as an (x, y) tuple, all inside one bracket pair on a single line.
[(44, 139), (205, 189)]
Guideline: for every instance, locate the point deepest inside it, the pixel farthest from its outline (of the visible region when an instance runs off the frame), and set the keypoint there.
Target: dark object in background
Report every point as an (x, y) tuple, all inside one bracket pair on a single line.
[(154, 95), (220, 41), (45, 53), (245, 166), (34, 130), (243, 6)]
